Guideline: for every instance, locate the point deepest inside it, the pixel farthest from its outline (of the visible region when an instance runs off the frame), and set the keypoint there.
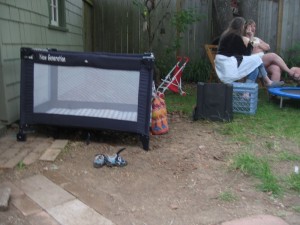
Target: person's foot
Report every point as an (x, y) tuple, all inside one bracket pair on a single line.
[(275, 84), (295, 77)]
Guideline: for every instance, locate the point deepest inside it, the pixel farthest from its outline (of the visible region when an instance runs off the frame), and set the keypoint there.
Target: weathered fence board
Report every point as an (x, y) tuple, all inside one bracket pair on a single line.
[(290, 24), (267, 22)]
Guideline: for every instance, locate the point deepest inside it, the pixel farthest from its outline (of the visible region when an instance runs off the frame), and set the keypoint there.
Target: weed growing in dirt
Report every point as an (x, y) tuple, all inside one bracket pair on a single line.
[(67, 148), (227, 196), (297, 208), (236, 132), (250, 164), (269, 180), (287, 156), (247, 163), (270, 145), (294, 182), (20, 165)]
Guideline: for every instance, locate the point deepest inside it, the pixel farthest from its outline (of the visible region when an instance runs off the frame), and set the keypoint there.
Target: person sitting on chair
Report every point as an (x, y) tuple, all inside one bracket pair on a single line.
[(274, 64), (234, 60)]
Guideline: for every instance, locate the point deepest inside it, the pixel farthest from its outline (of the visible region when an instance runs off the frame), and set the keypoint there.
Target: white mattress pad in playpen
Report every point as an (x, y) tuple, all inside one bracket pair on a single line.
[(86, 91)]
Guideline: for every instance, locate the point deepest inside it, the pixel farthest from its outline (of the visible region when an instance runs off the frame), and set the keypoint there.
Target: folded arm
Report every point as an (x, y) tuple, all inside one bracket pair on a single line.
[(260, 46)]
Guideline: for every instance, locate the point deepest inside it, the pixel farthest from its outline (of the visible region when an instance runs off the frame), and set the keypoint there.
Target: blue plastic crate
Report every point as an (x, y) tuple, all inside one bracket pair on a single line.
[(244, 97)]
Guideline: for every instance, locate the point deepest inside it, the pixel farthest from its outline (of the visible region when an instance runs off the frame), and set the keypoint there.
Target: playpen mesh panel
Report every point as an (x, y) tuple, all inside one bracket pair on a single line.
[(86, 91)]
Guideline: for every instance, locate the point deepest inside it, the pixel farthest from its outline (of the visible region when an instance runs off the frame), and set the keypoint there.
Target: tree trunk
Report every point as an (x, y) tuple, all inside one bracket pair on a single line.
[(248, 9), (223, 14)]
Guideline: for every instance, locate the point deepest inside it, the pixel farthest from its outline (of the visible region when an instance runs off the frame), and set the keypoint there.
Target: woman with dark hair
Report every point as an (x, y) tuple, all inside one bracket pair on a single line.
[(234, 60)]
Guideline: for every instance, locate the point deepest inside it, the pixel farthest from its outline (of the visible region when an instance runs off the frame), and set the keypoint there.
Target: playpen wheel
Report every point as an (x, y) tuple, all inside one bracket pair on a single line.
[(183, 93), (145, 142), (195, 113), (88, 138), (21, 136)]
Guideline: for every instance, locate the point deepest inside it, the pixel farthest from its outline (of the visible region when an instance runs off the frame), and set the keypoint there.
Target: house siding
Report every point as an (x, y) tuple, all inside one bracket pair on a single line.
[(25, 23)]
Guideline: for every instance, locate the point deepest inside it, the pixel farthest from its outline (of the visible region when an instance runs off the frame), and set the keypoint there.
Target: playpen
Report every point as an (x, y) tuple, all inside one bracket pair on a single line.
[(86, 90)]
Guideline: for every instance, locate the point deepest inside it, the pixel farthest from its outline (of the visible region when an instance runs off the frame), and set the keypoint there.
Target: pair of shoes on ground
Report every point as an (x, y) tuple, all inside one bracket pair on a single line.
[(114, 160), (275, 84)]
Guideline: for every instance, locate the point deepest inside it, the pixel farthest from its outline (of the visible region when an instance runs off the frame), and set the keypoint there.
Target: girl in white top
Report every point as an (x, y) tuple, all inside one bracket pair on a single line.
[(272, 62)]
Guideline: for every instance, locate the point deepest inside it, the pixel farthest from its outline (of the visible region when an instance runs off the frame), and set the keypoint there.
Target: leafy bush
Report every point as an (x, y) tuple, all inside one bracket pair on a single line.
[(292, 57), (195, 71)]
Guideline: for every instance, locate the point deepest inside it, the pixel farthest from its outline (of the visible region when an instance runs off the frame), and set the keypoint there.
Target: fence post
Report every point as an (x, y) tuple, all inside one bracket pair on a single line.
[(178, 9), (279, 26)]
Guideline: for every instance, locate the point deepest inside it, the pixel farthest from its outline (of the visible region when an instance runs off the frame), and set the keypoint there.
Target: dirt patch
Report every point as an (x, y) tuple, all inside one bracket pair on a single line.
[(180, 180)]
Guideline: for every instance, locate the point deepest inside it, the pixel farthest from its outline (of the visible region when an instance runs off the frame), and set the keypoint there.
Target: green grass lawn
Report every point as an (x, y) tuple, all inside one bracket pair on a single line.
[(269, 120)]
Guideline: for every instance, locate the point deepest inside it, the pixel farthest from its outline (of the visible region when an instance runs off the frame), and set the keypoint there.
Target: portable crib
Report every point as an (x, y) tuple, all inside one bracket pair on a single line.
[(86, 90)]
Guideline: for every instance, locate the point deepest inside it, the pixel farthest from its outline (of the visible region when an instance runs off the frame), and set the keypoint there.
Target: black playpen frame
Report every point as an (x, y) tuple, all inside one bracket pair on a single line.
[(141, 63)]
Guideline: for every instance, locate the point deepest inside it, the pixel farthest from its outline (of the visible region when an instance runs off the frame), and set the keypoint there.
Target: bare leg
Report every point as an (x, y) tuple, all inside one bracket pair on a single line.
[(272, 58), (266, 79), (274, 72)]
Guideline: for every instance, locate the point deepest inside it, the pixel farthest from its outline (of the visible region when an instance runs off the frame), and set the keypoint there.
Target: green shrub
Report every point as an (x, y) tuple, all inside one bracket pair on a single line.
[(197, 71)]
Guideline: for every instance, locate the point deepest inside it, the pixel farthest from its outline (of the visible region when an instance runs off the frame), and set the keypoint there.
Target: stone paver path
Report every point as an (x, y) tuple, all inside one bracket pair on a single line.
[(43, 202), (13, 152)]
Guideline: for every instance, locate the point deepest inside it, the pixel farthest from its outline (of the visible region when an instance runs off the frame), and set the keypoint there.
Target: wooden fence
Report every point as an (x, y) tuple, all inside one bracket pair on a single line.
[(119, 26)]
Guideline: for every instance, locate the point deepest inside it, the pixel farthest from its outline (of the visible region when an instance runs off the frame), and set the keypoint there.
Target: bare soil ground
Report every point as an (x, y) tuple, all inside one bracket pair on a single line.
[(180, 180)]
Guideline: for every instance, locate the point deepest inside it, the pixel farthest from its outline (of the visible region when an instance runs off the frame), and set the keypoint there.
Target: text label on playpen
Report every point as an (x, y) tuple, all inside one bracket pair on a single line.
[(52, 58)]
